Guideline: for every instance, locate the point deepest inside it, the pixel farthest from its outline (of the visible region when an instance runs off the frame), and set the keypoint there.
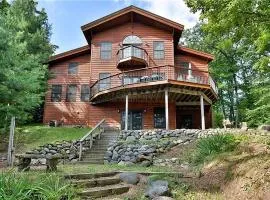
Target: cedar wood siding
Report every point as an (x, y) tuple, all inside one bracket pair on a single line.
[(88, 72), (117, 34), (70, 112)]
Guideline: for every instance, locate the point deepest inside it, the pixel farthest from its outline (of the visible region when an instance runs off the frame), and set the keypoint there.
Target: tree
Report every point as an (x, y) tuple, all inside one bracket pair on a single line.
[(237, 32), (24, 48)]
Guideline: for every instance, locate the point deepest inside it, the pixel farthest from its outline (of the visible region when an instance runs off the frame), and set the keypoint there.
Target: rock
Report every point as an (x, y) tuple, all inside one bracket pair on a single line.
[(46, 150), (129, 177), (141, 158), (146, 163), (115, 156), (157, 188), (130, 139), (162, 198), (125, 163), (264, 127)]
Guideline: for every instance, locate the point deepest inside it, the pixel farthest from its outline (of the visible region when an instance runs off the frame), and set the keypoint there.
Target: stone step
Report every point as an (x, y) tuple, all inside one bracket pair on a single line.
[(90, 175), (91, 161), (87, 157), (97, 192), (97, 182)]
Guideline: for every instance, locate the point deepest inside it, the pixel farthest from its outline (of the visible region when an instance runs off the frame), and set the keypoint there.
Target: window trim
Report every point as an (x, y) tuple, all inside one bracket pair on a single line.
[(158, 50), (83, 93), (67, 92), (61, 91), (77, 66), (100, 52)]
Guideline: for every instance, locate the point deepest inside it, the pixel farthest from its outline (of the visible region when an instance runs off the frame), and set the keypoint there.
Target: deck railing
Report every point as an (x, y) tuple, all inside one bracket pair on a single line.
[(132, 51), (89, 137), (152, 74)]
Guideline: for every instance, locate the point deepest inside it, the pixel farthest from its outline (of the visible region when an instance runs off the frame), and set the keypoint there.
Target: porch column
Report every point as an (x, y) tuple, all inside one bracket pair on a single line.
[(167, 108), (126, 114), (202, 112)]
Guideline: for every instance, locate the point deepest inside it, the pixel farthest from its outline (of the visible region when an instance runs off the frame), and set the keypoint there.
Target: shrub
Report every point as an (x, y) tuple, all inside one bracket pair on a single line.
[(211, 146), (34, 186)]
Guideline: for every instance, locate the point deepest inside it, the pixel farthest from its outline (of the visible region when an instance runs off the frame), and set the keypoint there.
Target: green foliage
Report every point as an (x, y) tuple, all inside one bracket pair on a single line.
[(23, 186), (24, 48), (237, 32), (208, 148), (218, 119)]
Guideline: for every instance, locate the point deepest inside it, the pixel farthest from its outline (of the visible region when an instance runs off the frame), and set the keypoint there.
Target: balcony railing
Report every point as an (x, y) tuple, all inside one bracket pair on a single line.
[(153, 74), (132, 52)]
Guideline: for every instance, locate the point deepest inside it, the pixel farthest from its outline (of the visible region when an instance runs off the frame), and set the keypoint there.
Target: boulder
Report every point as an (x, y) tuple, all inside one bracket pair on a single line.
[(264, 127), (146, 163), (130, 139), (130, 177), (157, 188), (163, 198)]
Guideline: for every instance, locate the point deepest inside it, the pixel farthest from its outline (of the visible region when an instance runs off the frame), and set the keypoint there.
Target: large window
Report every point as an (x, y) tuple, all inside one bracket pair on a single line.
[(105, 50), (56, 93), (159, 118), (73, 68), (71, 93), (105, 82), (85, 92), (158, 50)]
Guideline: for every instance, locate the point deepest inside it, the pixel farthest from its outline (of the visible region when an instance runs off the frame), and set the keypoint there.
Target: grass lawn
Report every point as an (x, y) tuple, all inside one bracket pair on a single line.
[(31, 136)]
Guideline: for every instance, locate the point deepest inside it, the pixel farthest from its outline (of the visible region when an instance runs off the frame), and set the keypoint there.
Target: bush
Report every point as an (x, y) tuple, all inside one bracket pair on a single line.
[(33, 186), (207, 148)]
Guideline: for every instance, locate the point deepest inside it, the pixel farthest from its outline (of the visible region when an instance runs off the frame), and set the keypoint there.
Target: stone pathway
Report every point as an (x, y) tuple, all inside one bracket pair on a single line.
[(98, 185)]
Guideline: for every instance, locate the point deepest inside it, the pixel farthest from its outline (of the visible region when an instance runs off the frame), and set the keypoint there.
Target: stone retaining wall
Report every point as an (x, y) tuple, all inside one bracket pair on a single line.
[(141, 146)]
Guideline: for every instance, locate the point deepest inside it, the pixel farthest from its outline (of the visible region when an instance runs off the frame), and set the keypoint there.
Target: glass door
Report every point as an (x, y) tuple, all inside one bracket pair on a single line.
[(134, 120)]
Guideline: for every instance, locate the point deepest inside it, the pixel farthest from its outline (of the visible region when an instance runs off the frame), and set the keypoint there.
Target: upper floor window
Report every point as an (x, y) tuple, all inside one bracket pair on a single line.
[(184, 67), (105, 81), (71, 93), (105, 50), (73, 68), (158, 50), (85, 92), (132, 40), (56, 93)]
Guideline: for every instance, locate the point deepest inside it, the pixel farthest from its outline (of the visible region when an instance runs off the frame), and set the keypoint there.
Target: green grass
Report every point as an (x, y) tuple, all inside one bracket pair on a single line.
[(95, 168), (40, 186), (32, 136)]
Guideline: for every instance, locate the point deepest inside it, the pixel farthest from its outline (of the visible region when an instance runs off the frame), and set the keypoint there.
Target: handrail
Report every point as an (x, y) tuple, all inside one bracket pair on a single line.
[(131, 46), (166, 72), (90, 133)]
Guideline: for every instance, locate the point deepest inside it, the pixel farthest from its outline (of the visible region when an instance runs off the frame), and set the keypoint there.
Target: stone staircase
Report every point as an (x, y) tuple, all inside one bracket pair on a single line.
[(98, 185), (96, 154)]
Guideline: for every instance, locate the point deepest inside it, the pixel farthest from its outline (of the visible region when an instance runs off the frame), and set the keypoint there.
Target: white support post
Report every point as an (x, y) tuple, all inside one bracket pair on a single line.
[(202, 112), (167, 108), (11, 142), (126, 114)]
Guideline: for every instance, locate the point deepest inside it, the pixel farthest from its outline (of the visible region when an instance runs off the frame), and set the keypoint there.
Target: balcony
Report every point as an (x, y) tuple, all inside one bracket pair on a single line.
[(132, 56), (163, 75)]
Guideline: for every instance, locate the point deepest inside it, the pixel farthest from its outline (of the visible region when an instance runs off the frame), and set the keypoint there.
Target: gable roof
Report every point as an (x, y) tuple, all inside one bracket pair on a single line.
[(69, 54), (190, 51), (132, 14)]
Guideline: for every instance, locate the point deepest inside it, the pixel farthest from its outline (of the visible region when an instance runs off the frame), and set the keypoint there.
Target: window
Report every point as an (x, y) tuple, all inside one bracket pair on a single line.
[(159, 118), (56, 93), (184, 67), (73, 68), (105, 82), (106, 50), (158, 50), (132, 40), (85, 93), (71, 93)]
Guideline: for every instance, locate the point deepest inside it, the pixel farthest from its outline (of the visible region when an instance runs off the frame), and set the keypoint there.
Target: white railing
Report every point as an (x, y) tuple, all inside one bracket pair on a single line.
[(90, 136)]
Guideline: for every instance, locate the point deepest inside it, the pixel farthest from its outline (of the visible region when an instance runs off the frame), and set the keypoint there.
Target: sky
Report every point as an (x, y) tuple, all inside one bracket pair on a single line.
[(67, 16)]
